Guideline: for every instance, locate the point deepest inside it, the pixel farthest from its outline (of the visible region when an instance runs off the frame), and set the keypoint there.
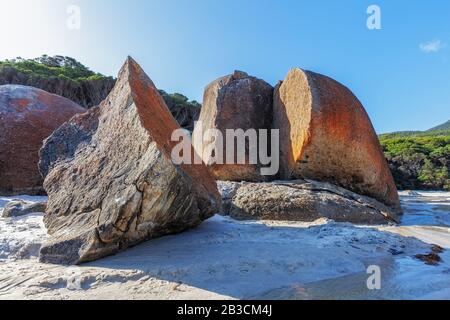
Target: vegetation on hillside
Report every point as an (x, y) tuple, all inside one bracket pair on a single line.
[(57, 66), (180, 100), (419, 160), (60, 75), (415, 134), (69, 78), (186, 112), (444, 126)]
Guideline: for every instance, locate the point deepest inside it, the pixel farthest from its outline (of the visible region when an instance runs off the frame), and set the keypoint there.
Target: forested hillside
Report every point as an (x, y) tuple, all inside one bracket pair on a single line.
[(69, 78), (419, 160)]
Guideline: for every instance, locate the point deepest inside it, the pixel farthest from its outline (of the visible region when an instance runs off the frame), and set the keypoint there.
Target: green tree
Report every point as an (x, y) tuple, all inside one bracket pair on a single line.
[(432, 175)]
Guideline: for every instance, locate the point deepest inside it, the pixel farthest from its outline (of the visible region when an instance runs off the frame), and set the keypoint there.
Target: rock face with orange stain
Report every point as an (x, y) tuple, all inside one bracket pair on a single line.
[(27, 116), (110, 179), (326, 135), (237, 101)]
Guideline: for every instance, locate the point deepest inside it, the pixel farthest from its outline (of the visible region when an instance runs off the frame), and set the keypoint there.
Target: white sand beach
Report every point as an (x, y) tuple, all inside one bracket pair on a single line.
[(227, 259)]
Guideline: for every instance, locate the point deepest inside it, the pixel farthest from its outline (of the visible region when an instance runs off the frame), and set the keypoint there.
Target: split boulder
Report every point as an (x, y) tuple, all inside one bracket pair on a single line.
[(233, 102), (326, 135), (110, 179), (301, 200)]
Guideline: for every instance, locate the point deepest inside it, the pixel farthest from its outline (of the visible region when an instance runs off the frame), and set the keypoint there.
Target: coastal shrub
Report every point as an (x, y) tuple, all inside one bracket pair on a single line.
[(56, 66), (419, 160)]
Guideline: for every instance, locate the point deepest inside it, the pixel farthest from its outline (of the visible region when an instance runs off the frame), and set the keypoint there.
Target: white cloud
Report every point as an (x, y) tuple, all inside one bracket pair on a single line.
[(432, 46)]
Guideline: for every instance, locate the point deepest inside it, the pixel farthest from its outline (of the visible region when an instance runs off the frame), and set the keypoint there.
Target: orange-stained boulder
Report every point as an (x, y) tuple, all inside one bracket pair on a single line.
[(111, 180), (327, 135), (27, 116), (237, 101)]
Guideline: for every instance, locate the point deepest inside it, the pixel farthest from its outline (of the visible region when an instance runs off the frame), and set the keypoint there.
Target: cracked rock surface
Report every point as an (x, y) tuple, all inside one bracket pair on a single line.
[(110, 179)]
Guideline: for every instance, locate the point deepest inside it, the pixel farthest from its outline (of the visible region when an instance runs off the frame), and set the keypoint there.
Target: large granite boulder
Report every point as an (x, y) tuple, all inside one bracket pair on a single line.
[(326, 135), (237, 101), (301, 200), (110, 178), (27, 116)]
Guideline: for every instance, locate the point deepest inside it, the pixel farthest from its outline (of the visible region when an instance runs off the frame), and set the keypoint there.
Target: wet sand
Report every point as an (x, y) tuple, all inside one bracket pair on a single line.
[(227, 259)]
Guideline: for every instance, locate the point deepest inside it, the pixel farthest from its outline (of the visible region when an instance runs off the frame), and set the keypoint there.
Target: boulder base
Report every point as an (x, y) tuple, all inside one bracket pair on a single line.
[(110, 179), (301, 200)]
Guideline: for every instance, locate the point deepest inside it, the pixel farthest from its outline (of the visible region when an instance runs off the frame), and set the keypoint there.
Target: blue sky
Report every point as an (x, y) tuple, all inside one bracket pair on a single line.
[(401, 73)]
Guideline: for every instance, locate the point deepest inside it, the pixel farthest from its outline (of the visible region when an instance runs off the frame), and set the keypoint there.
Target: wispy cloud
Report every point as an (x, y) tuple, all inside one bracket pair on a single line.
[(432, 46)]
